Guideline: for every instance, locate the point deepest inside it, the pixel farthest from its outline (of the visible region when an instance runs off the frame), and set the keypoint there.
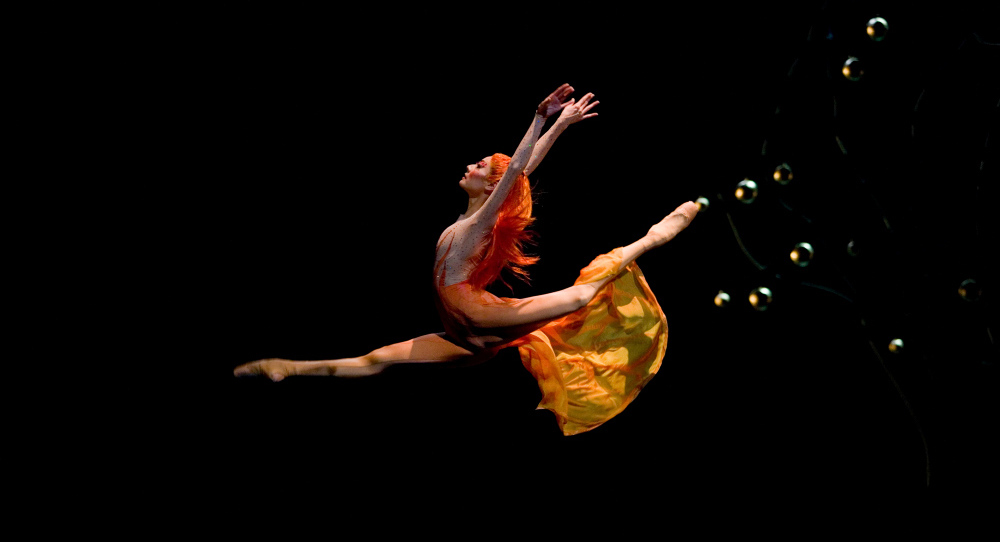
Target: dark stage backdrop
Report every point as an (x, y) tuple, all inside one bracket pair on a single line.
[(323, 162)]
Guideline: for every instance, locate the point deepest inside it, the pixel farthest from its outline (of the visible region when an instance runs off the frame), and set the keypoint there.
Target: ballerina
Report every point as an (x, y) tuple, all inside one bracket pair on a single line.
[(591, 346)]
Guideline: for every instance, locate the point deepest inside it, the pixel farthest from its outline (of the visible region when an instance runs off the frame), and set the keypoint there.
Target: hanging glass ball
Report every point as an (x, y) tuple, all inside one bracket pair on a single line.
[(853, 69), (896, 346), (802, 254), (721, 299), (970, 290), (746, 191), (783, 174), (877, 28), (852, 249), (702, 204), (760, 298)]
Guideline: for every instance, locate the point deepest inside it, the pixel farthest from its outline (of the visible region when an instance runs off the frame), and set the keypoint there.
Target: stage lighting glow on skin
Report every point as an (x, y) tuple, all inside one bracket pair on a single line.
[(877, 28), (802, 254), (746, 191), (760, 298), (783, 174)]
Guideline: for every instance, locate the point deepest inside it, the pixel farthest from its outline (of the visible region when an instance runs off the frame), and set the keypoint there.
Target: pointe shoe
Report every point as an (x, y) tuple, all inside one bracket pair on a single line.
[(689, 209), (674, 223), (266, 367)]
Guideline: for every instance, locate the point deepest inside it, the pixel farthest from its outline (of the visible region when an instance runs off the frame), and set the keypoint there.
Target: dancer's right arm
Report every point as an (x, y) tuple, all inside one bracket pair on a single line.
[(549, 106)]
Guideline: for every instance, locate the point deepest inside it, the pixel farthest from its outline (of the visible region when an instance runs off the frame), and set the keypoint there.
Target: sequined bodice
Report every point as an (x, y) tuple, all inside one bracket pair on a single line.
[(458, 249)]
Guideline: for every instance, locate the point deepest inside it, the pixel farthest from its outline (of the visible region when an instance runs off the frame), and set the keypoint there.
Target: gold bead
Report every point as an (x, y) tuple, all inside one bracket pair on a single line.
[(802, 254), (970, 290), (746, 191), (783, 174), (760, 298), (852, 69), (877, 28)]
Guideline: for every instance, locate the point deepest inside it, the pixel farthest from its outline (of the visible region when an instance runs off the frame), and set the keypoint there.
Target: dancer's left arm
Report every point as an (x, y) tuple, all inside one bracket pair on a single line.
[(520, 159), (572, 113)]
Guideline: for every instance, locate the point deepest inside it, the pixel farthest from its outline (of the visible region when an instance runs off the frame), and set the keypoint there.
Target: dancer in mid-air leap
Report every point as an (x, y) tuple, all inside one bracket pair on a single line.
[(591, 346)]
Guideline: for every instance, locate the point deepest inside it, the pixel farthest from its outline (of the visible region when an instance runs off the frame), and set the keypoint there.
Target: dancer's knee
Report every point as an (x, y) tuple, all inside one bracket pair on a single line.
[(429, 348), (583, 294), (375, 357), (394, 352)]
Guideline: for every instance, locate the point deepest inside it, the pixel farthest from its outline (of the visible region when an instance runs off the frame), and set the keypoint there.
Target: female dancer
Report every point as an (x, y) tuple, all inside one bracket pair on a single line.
[(591, 346)]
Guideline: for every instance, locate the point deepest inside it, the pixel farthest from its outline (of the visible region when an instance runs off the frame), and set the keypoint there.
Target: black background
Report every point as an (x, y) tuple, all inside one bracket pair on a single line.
[(312, 160)]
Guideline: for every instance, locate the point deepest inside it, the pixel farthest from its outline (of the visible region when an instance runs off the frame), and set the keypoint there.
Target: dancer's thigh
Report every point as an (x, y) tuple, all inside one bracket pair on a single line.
[(435, 347)]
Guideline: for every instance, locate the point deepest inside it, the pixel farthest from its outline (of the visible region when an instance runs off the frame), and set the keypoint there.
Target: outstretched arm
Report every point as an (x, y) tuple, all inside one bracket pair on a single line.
[(549, 106), (572, 113)]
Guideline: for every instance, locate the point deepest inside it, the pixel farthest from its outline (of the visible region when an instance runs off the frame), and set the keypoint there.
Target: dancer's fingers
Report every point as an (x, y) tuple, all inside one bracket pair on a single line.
[(561, 91)]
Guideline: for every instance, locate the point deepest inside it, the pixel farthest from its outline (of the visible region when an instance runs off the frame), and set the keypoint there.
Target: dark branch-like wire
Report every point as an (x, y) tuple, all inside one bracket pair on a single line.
[(909, 409)]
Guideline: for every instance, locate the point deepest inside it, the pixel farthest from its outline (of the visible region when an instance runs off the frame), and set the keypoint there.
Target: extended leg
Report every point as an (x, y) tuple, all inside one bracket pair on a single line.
[(526, 315), (426, 349), (661, 232), (507, 321)]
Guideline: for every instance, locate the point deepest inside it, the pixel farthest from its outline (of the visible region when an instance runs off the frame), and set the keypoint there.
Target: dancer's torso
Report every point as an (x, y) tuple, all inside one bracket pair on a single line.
[(459, 248)]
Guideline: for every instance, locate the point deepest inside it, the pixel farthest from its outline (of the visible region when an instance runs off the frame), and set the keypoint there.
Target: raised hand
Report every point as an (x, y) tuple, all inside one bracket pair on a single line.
[(555, 101), (575, 111)]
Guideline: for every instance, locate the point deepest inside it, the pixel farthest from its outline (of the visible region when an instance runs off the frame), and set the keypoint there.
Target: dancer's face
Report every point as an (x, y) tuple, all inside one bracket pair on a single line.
[(474, 181)]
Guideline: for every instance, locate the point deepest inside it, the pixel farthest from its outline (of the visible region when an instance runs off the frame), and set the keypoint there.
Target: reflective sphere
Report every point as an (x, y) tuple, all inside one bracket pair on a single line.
[(721, 299), (746, 191), (852, 69), (702, 203), (970, 290), (783, 174), (761, 298), (802, 254), (896, 346), (877, 28), (852, 248)]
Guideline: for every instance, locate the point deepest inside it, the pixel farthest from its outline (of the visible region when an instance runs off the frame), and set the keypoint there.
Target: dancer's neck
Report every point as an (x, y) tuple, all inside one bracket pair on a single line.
[(475, 204)]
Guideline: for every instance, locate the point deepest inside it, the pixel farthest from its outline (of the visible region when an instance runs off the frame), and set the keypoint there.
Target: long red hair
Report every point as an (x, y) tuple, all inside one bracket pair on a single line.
[(505, 246)]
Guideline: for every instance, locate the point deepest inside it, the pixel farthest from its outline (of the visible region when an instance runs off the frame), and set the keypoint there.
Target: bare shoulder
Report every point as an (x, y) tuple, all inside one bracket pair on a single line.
[(464, 236), (456, 229), (466, 224)]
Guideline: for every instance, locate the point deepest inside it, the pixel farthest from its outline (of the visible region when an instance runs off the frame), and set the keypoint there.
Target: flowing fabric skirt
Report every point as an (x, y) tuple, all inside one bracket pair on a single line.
[(592, 363)]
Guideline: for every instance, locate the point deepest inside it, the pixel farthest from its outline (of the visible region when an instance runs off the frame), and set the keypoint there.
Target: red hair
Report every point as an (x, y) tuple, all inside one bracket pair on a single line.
[(504, 248)]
